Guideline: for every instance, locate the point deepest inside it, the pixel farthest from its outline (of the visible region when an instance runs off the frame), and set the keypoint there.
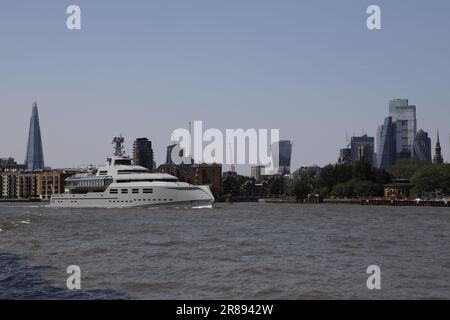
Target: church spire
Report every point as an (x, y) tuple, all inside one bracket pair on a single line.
[(438, 159)]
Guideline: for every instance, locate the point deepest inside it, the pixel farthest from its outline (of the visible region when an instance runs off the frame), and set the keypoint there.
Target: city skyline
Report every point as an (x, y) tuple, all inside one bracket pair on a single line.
[(313, 71), (360, 146)]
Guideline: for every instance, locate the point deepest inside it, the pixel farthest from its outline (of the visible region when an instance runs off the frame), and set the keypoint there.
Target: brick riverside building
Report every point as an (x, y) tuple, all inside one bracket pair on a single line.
[(31, 185)]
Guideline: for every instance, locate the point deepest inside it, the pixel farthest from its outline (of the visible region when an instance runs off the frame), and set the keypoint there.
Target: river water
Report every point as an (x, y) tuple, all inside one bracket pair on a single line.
[(235, 251)]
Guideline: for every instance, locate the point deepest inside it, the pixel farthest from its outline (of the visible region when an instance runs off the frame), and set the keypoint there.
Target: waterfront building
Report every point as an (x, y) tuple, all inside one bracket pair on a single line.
[(8, 185), (398, 190), (209, 174), (387, 144), (229, 173), (34, 159), (438, 158), (9, 164), (257, 172), (422, 146), (362, 148), (254, 190), (143, 154), (404, 116), (32, 185), (196, 174)]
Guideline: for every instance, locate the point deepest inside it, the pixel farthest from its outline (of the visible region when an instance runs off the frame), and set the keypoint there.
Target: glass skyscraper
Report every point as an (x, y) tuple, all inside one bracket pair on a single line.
[(285, 154), (143, 153), (404, 116), (422, 146), (387, 144), (363, 148), (34, 159)]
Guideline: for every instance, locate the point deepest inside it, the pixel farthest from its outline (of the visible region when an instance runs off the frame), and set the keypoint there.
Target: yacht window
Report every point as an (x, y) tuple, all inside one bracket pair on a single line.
[(135, 190), (126, 162), (113, 191), (132, 171), (147, 191), (124, 190), (148, 180)]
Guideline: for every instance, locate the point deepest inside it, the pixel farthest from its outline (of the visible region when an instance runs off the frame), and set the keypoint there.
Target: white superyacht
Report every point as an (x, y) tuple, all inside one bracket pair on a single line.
[(120, 184)]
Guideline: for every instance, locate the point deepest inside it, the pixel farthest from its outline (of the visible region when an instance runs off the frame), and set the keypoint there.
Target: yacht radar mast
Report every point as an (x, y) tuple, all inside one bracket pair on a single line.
[(118, 146)]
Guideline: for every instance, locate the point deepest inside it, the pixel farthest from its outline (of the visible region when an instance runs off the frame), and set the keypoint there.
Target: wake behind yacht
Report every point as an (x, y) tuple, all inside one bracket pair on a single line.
[(120, 184)]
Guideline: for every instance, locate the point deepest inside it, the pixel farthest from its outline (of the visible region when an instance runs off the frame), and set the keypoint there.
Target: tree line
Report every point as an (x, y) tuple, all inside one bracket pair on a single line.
[(350, 180)]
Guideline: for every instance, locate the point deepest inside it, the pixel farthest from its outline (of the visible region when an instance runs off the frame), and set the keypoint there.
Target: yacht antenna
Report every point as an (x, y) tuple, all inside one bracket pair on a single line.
[(118, 146)]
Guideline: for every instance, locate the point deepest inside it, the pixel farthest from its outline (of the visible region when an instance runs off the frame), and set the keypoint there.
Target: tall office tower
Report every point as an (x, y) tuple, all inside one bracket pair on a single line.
[(438, 159), (404, 116), (284, 156), (169, 153), (34, 159), (143, 153), (345, 156), (386, 144), (363, 148), (422, 146)]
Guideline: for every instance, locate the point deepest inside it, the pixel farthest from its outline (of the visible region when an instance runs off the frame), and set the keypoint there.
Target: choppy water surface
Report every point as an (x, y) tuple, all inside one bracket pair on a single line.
[(235, 251)]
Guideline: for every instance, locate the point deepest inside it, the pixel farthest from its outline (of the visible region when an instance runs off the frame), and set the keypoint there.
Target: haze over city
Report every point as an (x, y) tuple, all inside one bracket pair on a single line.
[(311, 69)]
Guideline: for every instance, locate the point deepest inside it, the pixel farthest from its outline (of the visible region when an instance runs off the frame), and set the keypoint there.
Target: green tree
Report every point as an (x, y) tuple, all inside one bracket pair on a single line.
[(231, 185), (431, 178), (445, 178), (382, 176), (358, 188), (302, 184), (365, 188), (332, 175), (299, 188), (277, 186), (343, 189), (308, 177), (327, 178), (405, 168), (363, 170), (359, 179), (343, 172)]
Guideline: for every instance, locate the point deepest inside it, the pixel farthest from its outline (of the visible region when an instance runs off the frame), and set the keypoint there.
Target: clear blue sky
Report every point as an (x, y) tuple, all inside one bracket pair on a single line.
[(144, 68)]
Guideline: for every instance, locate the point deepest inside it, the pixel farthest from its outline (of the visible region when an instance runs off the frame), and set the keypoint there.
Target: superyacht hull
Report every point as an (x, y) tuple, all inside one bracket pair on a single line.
[(160, 197), (96, 203)]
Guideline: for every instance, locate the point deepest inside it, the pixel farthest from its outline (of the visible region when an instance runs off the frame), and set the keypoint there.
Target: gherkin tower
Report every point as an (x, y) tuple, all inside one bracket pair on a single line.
[(34, 159)]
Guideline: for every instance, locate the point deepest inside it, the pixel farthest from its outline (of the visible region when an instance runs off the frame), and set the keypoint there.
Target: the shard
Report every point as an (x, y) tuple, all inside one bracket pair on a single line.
[(35, 157)]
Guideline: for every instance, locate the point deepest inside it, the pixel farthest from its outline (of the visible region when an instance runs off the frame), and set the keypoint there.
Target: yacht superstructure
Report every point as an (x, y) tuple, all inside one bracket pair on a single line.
[(121, 184)]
